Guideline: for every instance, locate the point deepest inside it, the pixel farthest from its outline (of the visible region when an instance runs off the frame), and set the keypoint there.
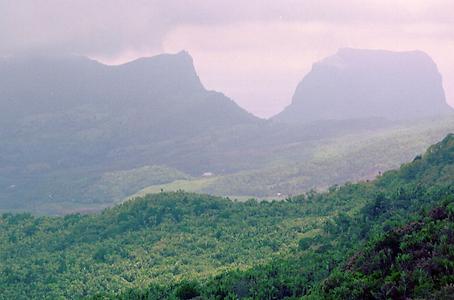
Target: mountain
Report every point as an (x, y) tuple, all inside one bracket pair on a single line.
[(149, 98), (355, 84), (66, 120), (181, 245), (78, 135)]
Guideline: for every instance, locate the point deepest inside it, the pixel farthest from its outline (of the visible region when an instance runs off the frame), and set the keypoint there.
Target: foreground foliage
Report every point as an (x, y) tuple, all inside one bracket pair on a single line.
[(155, 239), (414, 261)]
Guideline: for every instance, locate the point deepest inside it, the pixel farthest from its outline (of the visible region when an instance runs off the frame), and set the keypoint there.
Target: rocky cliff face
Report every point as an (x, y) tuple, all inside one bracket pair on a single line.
[(356, 84)]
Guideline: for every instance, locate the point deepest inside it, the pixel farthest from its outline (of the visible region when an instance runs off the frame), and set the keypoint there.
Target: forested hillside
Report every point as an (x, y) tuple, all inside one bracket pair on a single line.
[(319, 164), (411, 261), (398, 245), (225, 150), (180, 245)]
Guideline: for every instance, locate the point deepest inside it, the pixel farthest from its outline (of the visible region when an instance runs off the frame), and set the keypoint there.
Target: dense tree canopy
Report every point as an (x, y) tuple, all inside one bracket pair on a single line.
[(183, 246)]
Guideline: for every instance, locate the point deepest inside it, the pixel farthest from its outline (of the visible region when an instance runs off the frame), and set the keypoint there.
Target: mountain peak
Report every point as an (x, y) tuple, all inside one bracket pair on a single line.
[(184, 53), (181, 58), (361, 83), (172, 70), (378, 59)]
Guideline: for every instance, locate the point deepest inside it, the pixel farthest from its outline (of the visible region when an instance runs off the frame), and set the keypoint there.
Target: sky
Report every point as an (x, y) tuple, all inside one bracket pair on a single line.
[(253, 51)]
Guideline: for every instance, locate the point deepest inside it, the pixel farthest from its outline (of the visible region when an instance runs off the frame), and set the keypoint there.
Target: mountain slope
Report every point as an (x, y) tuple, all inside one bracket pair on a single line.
[(355, 84), (150, 98), (415, 261), (387, 215), (306, 165), (215, 247), (66, 121)]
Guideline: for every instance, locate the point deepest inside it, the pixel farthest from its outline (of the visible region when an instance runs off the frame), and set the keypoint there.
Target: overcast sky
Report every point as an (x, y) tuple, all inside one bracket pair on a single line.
[(253, 51)]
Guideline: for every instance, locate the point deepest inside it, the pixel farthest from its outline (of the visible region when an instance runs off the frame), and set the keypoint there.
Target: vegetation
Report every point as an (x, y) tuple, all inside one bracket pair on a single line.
[(414, 261), (248, 161), (120, 184), (350, 157), (409, 215), (181, 246), (155, 239)]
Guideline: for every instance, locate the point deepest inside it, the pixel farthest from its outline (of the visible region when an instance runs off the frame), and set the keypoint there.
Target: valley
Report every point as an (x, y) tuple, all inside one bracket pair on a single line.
[(134, 181)]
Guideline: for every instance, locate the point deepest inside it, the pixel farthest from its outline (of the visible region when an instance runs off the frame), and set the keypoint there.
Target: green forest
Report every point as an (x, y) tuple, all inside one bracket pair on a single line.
[(390, 238)]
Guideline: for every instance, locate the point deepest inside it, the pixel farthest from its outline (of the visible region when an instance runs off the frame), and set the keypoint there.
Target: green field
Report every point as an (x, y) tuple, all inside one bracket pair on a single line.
[(347, 158)]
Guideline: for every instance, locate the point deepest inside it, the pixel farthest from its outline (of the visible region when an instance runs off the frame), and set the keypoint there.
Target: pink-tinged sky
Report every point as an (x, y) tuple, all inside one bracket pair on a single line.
[(253, 51)]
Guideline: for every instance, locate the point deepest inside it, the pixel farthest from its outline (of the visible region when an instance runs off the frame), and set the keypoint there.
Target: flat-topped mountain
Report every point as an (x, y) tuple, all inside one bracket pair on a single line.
[(354, 84)]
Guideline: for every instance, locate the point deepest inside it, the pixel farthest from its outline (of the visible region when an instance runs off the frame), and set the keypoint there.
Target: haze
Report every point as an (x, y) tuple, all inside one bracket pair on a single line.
[(255, 52)]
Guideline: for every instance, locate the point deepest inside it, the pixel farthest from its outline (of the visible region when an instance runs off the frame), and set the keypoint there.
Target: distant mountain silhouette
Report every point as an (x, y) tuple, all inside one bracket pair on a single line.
[(149, 97), (354, 84)]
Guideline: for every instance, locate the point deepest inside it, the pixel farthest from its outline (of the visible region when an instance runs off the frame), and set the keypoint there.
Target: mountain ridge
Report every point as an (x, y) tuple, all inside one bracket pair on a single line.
[(72, 115)]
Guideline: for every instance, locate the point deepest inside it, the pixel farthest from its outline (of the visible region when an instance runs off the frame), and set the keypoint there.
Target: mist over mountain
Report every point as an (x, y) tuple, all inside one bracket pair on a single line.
[(77, 134), (65, 120), (355, 83), (53, 108), (124, 176), (138, 97)]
